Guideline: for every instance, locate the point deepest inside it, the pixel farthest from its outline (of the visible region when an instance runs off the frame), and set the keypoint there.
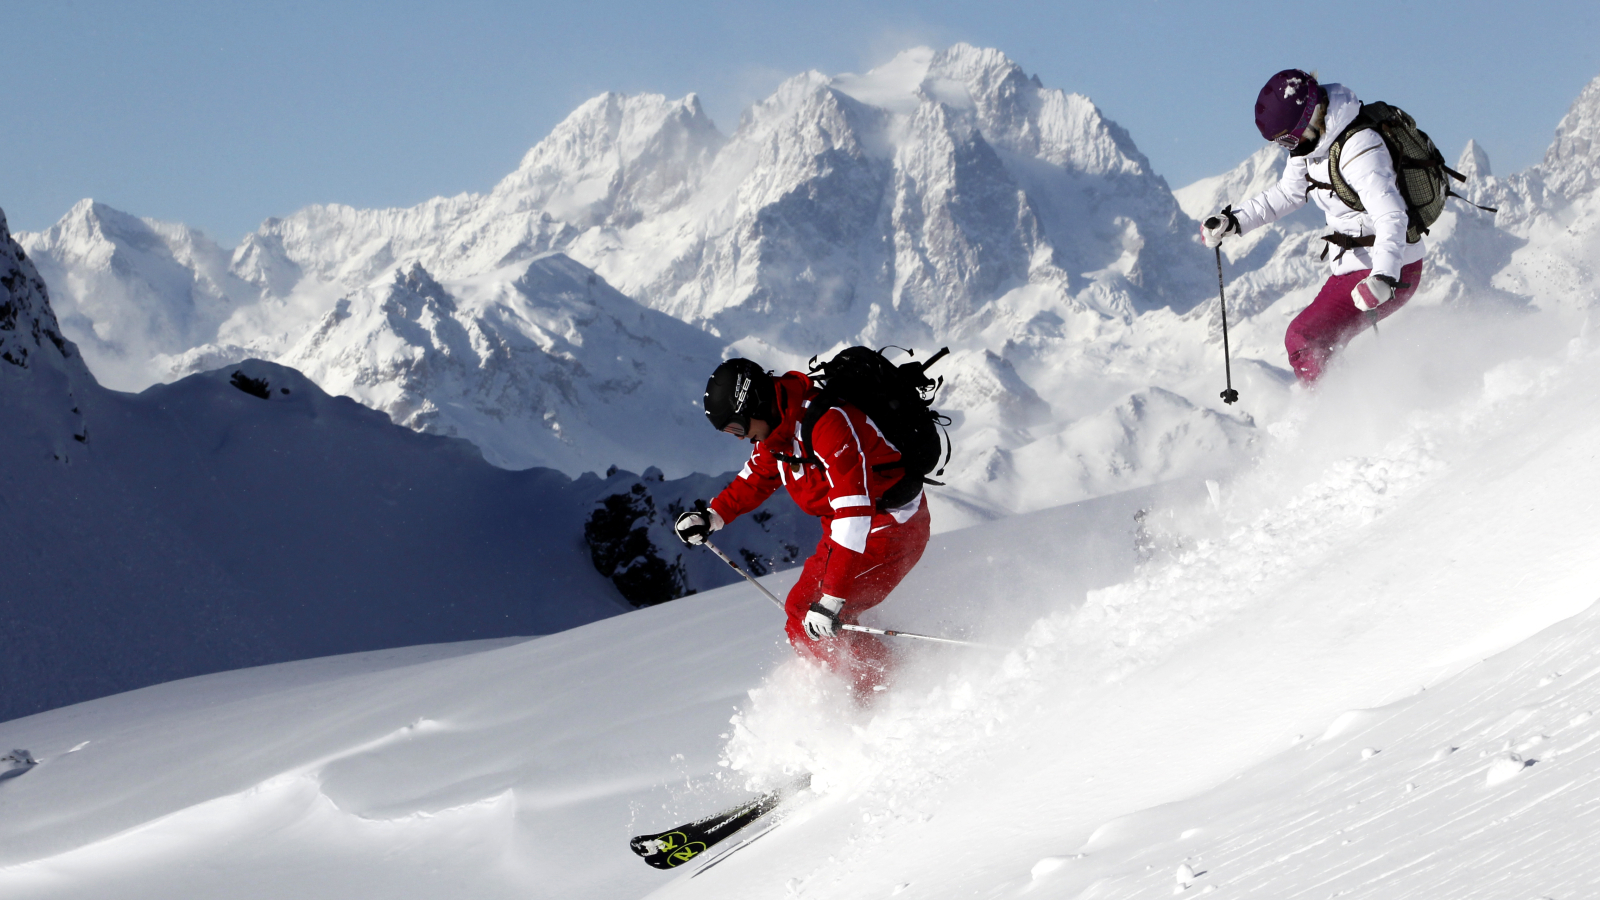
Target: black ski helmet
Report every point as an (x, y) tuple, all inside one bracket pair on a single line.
[(738, 391)]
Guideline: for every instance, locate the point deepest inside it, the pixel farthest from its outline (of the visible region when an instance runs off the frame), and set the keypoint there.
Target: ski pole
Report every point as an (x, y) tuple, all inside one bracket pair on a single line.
[(847, 627), (1230, 395), (924, 637), (737, 568)]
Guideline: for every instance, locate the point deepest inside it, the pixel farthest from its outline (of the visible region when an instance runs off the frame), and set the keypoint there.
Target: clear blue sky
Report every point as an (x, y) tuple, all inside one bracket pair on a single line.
[(221, 114)]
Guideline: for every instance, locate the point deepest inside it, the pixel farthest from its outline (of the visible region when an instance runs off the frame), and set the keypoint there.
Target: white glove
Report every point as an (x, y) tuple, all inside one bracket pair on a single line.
[(695, 525), (823, 619), (1373, 292), (1214, 227)]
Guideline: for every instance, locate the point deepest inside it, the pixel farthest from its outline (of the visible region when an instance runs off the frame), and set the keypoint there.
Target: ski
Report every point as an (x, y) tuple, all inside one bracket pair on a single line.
[(735, 846), (673, 847)]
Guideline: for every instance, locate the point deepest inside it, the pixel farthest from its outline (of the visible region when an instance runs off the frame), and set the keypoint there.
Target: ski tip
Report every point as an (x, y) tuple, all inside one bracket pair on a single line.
[(674, 847), (667, 850)]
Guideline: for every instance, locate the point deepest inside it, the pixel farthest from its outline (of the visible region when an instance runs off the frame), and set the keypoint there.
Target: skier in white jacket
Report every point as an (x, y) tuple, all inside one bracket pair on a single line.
[(1375, 270)]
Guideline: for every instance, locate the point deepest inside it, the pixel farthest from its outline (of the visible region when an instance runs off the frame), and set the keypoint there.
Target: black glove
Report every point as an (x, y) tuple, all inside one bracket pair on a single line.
[(1213, 229), (822, 621), (695, 525)]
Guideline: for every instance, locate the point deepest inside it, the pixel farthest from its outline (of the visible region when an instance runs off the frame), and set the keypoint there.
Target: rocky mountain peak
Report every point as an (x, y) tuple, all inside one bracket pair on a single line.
[(130, 289), (1572, 164), (1474, 162), (540, 362), (41, 372), (616, 157), (1012, 108), (416, 291), (261, 260), (941, 195), (795, 92), (91, 234), (29, 333), (984, 70)]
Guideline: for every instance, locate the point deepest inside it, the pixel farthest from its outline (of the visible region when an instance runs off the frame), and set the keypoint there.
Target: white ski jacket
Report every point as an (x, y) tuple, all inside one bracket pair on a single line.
[(1367, 167)]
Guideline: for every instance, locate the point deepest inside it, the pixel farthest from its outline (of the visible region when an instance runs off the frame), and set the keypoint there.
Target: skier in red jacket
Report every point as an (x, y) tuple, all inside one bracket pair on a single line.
[(841, 479)]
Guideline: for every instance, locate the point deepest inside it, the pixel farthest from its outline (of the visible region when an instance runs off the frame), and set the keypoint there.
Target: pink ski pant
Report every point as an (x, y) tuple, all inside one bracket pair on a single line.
[(1332, 320)]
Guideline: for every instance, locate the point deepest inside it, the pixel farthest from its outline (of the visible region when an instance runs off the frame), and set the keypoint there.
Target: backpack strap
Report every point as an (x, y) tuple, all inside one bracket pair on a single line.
[(1450, 193), (1462, 178), (1364, 120), (1346, 243), (802, 429)]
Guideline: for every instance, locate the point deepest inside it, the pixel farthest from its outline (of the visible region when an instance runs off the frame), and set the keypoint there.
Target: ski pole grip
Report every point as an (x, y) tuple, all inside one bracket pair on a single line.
[(943, 352)]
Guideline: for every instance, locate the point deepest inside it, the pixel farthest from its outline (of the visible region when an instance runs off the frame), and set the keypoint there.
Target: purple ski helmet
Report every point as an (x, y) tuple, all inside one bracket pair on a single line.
[(1285, 105)]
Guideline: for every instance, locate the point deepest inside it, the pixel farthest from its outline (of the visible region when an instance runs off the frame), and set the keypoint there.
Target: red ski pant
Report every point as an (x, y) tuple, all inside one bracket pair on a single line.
[(892, 550), (1333, 319)]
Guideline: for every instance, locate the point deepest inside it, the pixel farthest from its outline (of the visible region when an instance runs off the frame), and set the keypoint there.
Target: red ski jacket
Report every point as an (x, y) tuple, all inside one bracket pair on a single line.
[(843, 490)]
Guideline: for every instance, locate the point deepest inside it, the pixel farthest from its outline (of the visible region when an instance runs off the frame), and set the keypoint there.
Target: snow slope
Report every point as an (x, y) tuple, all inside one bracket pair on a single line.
[(1364, 560), (1483, 785), (195, 527), (510, 769), (1424, 513)]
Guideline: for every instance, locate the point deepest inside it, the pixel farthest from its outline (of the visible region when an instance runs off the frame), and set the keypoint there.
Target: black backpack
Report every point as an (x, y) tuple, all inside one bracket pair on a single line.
[(897, 400), (1419, 168)]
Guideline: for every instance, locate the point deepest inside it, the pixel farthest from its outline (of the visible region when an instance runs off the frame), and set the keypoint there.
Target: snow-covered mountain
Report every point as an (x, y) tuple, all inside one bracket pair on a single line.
[(892, 205), (537, 361), (946, 197), (244, 516), (129, 290)]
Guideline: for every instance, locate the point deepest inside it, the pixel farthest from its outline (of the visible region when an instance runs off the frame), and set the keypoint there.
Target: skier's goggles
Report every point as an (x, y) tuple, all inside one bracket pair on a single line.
[(1288, 140), (735, 424), (1291, 139)]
